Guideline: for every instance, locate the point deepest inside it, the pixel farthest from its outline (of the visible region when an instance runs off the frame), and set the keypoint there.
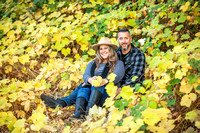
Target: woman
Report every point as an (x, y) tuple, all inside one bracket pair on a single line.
[(86, 95)]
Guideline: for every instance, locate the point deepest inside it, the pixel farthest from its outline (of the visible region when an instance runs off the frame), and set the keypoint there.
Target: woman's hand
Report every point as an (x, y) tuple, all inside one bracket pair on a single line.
[(91, 79), (83, 84), (103, 82)]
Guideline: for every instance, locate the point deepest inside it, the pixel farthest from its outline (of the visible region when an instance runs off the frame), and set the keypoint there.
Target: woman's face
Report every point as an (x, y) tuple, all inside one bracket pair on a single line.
[(104, 52)]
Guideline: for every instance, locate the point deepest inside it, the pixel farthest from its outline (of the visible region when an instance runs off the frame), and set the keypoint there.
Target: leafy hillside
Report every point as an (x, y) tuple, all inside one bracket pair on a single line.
[(46, 45)]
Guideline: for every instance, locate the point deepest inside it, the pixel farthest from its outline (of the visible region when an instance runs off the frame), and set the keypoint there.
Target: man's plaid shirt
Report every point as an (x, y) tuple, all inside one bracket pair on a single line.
[(134, 64)]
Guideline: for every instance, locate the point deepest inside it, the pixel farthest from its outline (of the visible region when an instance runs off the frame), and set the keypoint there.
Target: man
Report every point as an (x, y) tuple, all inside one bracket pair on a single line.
[(133, 58)]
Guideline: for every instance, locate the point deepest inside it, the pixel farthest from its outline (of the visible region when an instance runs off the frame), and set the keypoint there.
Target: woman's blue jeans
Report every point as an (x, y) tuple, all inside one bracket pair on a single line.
[(85, 93)]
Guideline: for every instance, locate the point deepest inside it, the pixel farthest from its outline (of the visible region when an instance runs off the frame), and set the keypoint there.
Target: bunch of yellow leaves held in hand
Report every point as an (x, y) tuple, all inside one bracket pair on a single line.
[(98, 81)]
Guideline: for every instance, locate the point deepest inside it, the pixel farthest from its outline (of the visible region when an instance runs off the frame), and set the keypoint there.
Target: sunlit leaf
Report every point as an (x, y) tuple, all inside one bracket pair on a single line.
[(188, 99)]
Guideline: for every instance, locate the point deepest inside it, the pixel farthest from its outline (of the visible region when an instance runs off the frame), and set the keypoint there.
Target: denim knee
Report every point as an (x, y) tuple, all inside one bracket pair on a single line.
[(84, 92), (101, 89)]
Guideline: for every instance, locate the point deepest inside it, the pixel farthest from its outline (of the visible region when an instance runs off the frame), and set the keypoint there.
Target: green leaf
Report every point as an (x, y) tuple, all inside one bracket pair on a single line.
[(131, 22), (175, 81), (179, 27), (154, 62), (85, 57), (134, 78), (185, 36), (64, 76), (182, 18), (167, 32), (153, 104), (138, 114), (118, 103), (198, 87)]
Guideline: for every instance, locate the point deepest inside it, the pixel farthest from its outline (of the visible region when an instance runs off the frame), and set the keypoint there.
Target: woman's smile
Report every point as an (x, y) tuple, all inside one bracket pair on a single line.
[(104, 51)]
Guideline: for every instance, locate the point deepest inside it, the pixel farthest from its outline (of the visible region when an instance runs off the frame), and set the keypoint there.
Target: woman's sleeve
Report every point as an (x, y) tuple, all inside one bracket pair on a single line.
[(87, 73), (119, 71)]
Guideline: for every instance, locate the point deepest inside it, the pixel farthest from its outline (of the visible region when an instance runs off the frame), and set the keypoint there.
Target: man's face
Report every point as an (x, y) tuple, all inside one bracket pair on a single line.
[(124, 39)]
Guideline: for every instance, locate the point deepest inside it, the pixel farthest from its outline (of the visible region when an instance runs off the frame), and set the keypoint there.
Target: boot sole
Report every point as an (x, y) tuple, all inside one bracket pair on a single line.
[(48, 101)]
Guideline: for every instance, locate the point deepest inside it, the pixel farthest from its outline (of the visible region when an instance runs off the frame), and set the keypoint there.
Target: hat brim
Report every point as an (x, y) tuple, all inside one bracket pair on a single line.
[(95, 46)]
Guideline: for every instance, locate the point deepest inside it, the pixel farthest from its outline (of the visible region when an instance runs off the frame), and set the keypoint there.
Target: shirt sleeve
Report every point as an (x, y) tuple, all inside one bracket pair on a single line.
[(119, 71), (137, 69), (87, 73)]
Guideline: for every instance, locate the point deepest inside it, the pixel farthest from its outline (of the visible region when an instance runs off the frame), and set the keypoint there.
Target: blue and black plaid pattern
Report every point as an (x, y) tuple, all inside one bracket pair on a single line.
[(134, 64)]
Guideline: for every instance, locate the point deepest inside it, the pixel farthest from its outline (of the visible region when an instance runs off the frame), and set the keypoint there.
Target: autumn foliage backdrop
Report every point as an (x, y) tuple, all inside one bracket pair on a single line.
[(46, 44)]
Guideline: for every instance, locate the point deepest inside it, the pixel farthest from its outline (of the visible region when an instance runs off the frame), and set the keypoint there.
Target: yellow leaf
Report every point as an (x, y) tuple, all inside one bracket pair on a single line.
[(191, 115), (168, 125), (126, 92), (179, 74), (137, 31), (77, 56), (97, 112), (19, 123), (131, 22), (151, 118), (23, 59), (74, 77), (121, 23), (3, 102), (11, 35), (188, 99), (42, 40), (21, 114), (116, 115), (197, 124), (66, 51), (73, 36), (26, 105), (66, 41), (91, 52), (8, 69), (127, 120), (97, 82), (13, 97), (111, 89), (116, 1), (164, 103), (57, 37), (65, 84), (53, 54), (197, 34), (49, 128), (66, 129), (178, 49), (54, 14), (84, 47), (185, 7), (37, 85), (111, 77), (185, 87), (109, 102)]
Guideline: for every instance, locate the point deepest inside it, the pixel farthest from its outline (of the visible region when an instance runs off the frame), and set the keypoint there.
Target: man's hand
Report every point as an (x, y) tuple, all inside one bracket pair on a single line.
[(117, 93)]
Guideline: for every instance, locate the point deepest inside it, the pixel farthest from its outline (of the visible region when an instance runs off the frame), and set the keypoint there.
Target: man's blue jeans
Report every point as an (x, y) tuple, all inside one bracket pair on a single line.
[(85, 93)]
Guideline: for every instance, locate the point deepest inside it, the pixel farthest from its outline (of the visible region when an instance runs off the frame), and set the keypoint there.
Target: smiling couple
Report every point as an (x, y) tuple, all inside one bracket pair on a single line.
[(126, 61)]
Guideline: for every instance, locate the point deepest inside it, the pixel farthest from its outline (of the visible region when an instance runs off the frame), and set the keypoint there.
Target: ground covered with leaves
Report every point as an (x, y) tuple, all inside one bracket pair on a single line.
[(46, 45)]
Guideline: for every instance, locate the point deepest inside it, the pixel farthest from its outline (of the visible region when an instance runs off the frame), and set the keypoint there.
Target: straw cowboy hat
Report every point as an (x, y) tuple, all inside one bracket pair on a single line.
[(104, 41)]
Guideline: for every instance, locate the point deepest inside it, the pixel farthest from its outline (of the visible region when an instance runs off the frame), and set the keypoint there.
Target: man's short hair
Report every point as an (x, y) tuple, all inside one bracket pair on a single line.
[(123, 30)]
